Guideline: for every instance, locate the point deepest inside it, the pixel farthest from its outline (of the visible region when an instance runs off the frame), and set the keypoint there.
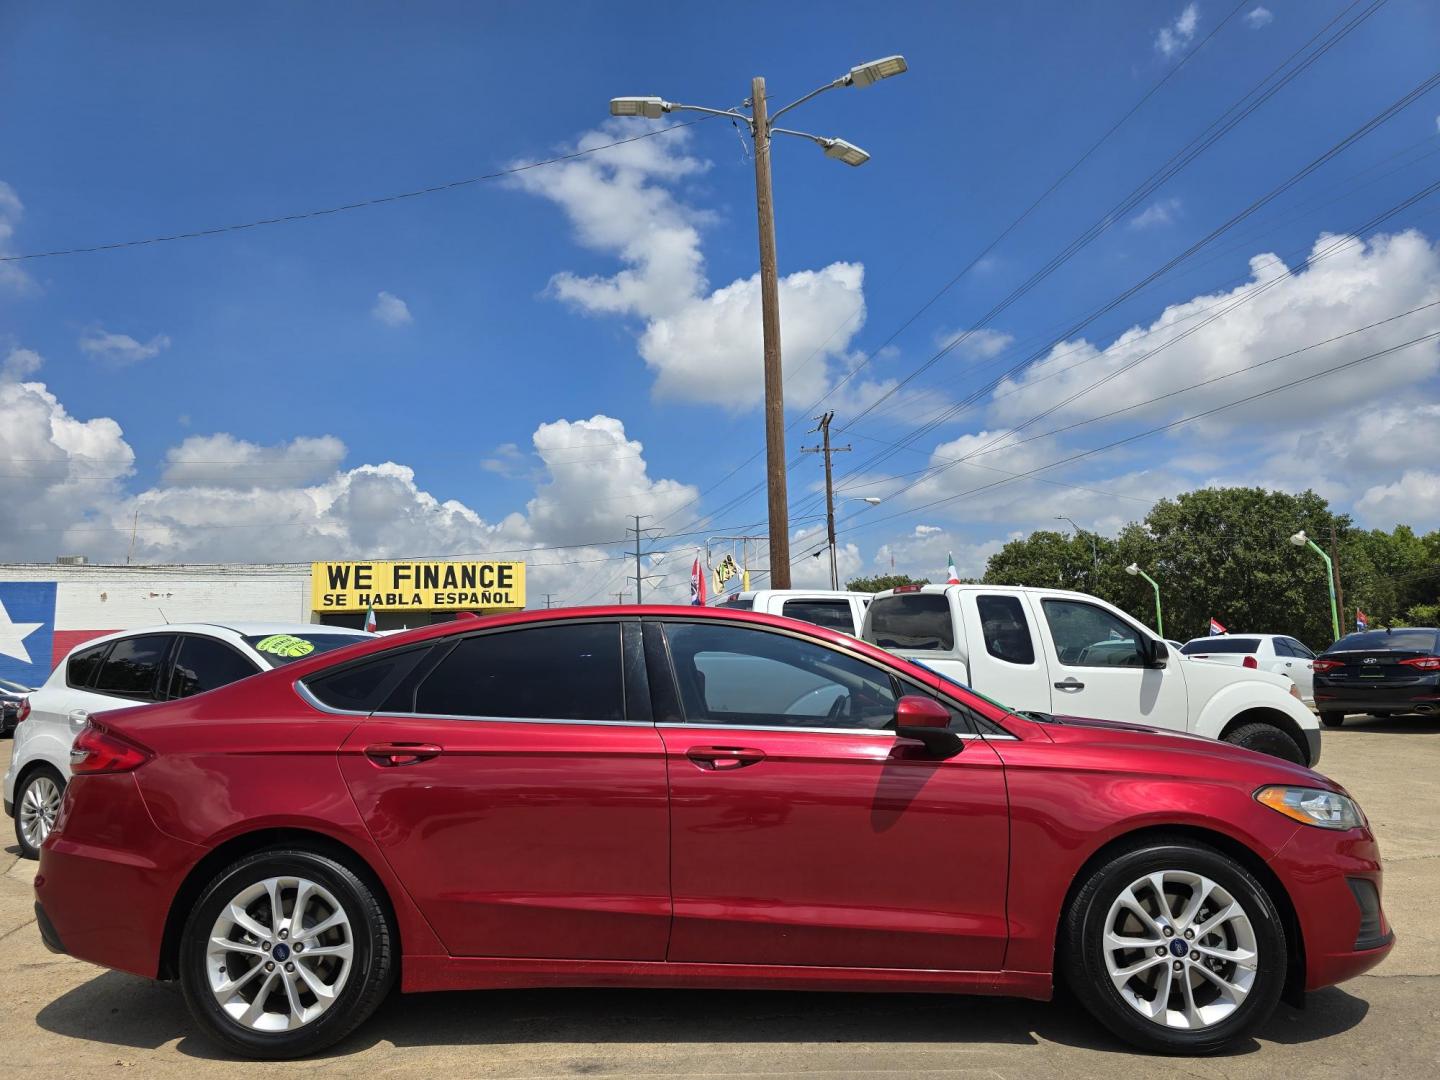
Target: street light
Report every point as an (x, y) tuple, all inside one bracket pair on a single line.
[(1301, 540), (1134, 570), (762, 125)]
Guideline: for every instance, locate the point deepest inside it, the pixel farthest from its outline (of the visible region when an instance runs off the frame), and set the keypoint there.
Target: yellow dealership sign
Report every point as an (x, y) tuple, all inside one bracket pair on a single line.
[(440, 585)]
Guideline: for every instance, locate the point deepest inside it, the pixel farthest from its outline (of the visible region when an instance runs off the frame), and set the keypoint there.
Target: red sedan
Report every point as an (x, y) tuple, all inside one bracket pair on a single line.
[(693, 798)]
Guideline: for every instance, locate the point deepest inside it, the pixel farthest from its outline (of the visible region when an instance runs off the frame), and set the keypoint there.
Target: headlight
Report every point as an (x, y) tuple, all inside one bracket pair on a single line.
[(1312, 806)]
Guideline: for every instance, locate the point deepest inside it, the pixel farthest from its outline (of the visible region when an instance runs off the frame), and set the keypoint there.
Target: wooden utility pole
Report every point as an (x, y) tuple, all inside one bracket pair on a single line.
[(779, 510), (828, 450)]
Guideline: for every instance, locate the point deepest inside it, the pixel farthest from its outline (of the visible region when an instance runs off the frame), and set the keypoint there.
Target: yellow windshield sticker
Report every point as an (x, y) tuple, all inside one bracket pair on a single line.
[(285, 645)]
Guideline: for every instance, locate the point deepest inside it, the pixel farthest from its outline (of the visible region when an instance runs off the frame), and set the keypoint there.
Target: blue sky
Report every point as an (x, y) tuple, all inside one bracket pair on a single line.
[(204, 360)]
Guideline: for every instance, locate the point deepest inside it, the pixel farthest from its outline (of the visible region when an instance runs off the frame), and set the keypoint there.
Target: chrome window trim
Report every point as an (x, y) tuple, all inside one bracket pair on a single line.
[(882, 732), (505, 719), (308, 696)]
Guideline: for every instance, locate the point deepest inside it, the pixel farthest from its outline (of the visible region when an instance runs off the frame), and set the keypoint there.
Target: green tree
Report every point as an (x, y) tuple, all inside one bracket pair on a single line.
[(883, 582)]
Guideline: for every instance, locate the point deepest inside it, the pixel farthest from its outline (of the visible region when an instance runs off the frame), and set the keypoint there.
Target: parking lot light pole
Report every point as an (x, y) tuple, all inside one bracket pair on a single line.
[(1301, 540), (1133, 569), (762, 125)]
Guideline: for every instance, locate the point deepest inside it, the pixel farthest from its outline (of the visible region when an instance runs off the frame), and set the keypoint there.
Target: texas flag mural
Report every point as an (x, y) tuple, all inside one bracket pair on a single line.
[(32, 641)]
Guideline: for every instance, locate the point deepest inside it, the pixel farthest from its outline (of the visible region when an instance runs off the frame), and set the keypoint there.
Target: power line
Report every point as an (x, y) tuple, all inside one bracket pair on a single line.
[(307, 215)]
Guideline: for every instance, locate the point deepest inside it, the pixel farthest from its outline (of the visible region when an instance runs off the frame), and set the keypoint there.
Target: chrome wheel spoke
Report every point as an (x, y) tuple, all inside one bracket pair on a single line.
[(1124, 975), (271, 995), (1242, 958), (1131, 903)]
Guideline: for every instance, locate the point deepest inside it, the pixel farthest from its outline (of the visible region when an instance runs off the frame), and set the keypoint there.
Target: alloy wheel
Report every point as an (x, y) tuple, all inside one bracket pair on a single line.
[(279, 954), (1180, 950), (39, 807)]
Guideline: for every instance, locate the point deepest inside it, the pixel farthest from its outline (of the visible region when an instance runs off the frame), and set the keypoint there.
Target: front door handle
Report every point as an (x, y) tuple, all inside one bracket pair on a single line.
[(390, 754), (1071, 683), (724, 758)]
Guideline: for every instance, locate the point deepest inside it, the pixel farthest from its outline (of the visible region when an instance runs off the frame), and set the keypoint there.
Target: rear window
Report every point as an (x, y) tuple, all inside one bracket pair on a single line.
[(1212, 645), (280, 649), (911, 621), (1387, 641), (831, 614)]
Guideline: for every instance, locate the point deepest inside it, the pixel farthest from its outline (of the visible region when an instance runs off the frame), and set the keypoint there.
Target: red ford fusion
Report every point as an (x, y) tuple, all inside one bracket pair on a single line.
[(688, 797)]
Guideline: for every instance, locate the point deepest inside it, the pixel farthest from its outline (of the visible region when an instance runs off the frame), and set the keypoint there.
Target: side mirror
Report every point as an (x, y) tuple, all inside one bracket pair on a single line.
[(1157, 653), (927, 721)]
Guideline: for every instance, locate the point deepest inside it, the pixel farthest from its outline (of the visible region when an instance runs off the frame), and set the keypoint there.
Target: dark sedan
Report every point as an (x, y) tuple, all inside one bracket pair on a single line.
[(1379, 672), (12, 694)]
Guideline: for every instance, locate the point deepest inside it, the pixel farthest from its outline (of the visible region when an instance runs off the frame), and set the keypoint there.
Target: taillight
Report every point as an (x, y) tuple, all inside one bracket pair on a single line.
[(23, 713), (1250, 662), (1424, 663), (1322, 666), (99, 750)]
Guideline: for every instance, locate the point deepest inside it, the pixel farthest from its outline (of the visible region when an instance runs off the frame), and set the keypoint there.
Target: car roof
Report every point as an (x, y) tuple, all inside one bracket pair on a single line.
[(226, 630), (1013, 590)]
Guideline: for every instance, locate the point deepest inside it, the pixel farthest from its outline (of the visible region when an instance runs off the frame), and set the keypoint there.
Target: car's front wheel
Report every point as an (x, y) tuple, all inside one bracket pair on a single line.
[(285, 953), (37, 804), (1267, 739), (1175, 947)]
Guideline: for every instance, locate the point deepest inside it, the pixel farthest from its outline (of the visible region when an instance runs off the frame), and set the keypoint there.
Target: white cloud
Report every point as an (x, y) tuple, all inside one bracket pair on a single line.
[(702, 344), (1413, 499), (1160, 212), (18, 364), (391, 310), (976, 344), (223, 461), (122, 348), (12, 278), (1259, 17), (1175, 37)]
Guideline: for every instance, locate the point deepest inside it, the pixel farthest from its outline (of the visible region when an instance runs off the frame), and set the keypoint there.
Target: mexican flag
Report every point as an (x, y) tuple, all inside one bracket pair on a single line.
[(370, 624), (954, 578)]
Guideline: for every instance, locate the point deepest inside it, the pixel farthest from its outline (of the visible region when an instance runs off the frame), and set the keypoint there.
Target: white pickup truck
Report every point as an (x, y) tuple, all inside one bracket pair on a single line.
[(843, 611), (1066, 653)]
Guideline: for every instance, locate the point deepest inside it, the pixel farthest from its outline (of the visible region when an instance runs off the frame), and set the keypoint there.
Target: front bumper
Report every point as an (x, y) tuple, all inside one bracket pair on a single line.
[(1334, 883), (1354, 696)]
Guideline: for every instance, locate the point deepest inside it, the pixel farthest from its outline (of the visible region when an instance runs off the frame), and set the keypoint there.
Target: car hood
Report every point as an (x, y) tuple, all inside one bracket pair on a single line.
[(1163, 751)]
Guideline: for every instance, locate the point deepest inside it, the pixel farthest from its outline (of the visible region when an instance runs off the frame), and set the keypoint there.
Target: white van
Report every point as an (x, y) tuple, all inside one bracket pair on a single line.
[(1051, 651), (843, 611)]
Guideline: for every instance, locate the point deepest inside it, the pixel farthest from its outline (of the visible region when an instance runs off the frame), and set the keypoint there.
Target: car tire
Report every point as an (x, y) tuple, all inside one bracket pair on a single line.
[(1184, 867), (1332, 719), (1267, 739), (37, 803), (331, 996)]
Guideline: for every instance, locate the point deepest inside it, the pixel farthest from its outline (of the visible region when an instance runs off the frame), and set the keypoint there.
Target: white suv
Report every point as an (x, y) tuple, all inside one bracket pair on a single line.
[(134, 667)]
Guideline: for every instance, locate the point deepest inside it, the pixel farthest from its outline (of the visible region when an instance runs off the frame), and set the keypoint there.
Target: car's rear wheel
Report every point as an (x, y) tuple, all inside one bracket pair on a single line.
[(1332, 719), (37, 804), (1175, 948), (285, 953), (1267, 739)]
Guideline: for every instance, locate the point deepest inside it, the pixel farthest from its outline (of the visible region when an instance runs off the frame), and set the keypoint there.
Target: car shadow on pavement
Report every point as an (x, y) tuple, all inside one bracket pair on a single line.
[(124, 1010), (1398, 725)]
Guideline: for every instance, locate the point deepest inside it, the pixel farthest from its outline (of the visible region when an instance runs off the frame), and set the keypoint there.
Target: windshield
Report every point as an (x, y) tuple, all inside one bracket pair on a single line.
[(1387, 641), (278, 649)]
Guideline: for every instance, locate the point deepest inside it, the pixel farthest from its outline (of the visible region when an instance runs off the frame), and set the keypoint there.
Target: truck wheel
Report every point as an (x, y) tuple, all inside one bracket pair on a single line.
[(1332, 719), (1267, 739)]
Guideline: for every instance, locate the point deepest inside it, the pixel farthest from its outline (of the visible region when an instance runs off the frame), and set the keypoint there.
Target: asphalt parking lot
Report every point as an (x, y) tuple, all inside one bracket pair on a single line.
[(63, 1018)]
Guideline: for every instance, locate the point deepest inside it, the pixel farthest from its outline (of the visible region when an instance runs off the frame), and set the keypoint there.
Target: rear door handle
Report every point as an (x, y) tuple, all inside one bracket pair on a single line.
[(390, 754), (1070, 683), (79, 718), (724, 758)]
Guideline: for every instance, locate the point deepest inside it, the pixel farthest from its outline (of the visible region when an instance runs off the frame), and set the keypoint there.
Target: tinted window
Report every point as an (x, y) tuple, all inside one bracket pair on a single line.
[(1221, 644), (279, 649), (357, 687), (1007, 631), (1387, 641), (133, 666), (80, 671), (736, 675), (832, 614), (204, 664), (569, 672), (1088, 636), (1299, 649), (911, 621)]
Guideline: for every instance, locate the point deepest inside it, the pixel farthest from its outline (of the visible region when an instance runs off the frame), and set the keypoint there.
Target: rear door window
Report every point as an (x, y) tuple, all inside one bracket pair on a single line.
[(1298, 648), (919, 621), (81, 669), (132, 669), (831, 614), (202, 663), (1006, 630), (568, 672)]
